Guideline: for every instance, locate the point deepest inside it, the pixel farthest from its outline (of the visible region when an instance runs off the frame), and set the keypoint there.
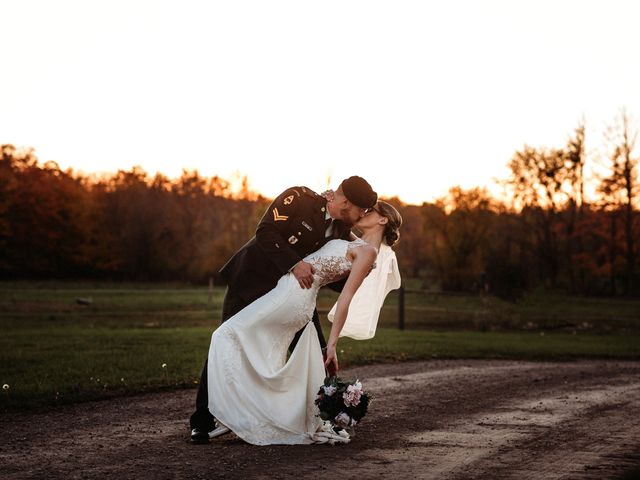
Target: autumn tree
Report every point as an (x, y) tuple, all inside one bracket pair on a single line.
[(619, 190), (462, 220), (537, 179), (41, 216), (575, 159)]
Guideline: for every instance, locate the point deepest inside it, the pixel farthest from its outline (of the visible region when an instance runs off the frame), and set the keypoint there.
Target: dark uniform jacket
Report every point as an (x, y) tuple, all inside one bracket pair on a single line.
[(293, 226)]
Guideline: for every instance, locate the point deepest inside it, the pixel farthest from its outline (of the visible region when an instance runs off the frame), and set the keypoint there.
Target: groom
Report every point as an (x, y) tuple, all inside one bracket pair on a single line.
[(297, 223)]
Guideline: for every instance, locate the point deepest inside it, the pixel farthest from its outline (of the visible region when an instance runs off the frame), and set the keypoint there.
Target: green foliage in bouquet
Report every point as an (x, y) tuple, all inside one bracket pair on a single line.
[(341, 402)]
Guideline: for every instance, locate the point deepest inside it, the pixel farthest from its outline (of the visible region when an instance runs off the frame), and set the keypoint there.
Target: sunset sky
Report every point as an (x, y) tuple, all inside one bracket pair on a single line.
[(416, 96)]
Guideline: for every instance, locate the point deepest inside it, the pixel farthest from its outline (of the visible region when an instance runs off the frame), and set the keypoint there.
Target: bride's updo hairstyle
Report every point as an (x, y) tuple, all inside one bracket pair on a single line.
[(392, 228)]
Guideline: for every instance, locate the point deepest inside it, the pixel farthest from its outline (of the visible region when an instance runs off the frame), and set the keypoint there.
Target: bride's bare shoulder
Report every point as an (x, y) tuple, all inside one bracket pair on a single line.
[(361, 249), (367, 251)]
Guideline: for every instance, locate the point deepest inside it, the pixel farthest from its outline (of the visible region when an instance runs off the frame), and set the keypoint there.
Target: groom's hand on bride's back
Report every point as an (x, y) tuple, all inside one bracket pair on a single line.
[(303, 272)]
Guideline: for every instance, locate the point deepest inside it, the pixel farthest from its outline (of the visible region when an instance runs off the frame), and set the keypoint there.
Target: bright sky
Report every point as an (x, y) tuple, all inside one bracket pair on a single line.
[(416, 96)]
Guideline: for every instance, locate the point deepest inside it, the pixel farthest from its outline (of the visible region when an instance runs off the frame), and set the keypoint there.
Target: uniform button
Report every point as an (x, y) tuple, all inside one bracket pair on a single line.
[(322, 209), (299, 233)]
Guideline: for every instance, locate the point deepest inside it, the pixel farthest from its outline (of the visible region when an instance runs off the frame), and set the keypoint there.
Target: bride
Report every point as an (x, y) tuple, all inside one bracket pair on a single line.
[(254, 390)]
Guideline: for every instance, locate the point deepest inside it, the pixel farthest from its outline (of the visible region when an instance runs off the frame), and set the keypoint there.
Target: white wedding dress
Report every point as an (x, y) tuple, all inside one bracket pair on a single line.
[(253, 389)]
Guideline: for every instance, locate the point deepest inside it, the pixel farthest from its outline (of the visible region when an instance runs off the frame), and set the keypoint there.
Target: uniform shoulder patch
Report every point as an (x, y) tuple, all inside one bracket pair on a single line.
[(289, 199), (309, 192), (277, 217), (297, 191)]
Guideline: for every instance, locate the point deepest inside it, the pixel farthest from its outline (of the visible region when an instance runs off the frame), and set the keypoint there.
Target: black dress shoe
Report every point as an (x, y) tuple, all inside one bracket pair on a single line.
[(199, 437)]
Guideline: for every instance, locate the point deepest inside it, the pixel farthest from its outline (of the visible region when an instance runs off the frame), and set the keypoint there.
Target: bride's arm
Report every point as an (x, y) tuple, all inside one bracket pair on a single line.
[(360, 267)]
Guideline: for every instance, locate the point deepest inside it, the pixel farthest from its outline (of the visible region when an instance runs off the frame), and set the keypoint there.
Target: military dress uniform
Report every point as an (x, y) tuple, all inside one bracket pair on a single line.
[(294, 225)]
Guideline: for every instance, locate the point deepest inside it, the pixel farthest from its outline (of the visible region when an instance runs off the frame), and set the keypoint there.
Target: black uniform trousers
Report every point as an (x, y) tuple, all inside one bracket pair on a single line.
[(202, 419)]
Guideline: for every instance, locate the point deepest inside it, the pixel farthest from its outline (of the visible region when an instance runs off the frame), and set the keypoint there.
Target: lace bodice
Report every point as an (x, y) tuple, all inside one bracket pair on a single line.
[(330, 262)]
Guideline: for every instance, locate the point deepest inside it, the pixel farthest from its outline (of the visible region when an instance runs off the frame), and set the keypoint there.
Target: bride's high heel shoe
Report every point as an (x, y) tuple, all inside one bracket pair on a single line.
[(218, 431)]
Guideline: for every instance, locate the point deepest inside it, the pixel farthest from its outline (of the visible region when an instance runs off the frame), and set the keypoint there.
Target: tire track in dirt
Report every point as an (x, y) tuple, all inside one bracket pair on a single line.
[(586, 434)]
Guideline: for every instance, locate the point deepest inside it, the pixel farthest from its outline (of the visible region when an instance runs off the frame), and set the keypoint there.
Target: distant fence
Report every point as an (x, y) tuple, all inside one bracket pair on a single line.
[(429, 293), (402, 292)]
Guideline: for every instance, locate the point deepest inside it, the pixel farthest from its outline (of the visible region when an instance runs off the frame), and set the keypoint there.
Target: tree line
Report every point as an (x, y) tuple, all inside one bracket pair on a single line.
[(61, 224), (58, 224)]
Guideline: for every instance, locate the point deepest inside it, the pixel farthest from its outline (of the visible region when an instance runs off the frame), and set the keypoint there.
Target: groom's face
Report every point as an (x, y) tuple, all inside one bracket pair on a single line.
[(337, 203), (343, 209), (351, 214)]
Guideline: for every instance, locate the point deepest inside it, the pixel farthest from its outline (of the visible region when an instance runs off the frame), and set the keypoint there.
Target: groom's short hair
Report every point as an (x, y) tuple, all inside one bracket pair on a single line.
[(359, 192)]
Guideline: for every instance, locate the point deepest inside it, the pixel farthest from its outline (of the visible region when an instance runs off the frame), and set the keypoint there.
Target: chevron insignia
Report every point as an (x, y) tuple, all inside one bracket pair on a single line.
[(277, 217)]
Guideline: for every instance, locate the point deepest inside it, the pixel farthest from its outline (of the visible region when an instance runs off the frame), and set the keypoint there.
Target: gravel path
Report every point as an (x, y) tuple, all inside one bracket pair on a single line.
[(455, 419)]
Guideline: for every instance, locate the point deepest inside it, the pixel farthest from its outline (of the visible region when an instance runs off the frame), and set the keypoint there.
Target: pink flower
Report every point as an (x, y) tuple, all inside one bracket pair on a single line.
[(352, 396)]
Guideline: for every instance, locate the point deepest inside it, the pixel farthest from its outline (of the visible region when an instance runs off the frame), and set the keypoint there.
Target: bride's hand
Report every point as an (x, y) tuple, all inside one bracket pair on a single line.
[(329, 195), (331, 361)]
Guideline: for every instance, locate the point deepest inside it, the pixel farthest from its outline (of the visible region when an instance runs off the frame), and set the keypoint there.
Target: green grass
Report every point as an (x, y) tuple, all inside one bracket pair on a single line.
[(55, 351), (59, 365), (394, 345)]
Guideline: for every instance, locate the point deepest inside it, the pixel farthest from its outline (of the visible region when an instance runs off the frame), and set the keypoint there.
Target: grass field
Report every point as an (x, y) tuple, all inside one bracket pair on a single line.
[(53, 350)]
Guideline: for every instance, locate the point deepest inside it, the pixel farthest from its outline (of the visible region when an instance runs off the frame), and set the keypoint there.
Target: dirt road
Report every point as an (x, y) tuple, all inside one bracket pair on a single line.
[(438, 419)]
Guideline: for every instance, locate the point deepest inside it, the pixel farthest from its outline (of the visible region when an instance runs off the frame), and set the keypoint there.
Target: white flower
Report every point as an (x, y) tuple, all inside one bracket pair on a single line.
[(5, 386), (164, 365), (342, 420), (330, 390)]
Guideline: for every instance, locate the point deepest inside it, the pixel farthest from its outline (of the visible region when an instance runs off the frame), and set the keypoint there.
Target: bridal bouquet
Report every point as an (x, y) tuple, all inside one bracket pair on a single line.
[(342, 403)]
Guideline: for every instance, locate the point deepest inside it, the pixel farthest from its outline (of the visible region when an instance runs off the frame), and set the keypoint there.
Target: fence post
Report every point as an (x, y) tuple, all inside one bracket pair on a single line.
[(401, 308)]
